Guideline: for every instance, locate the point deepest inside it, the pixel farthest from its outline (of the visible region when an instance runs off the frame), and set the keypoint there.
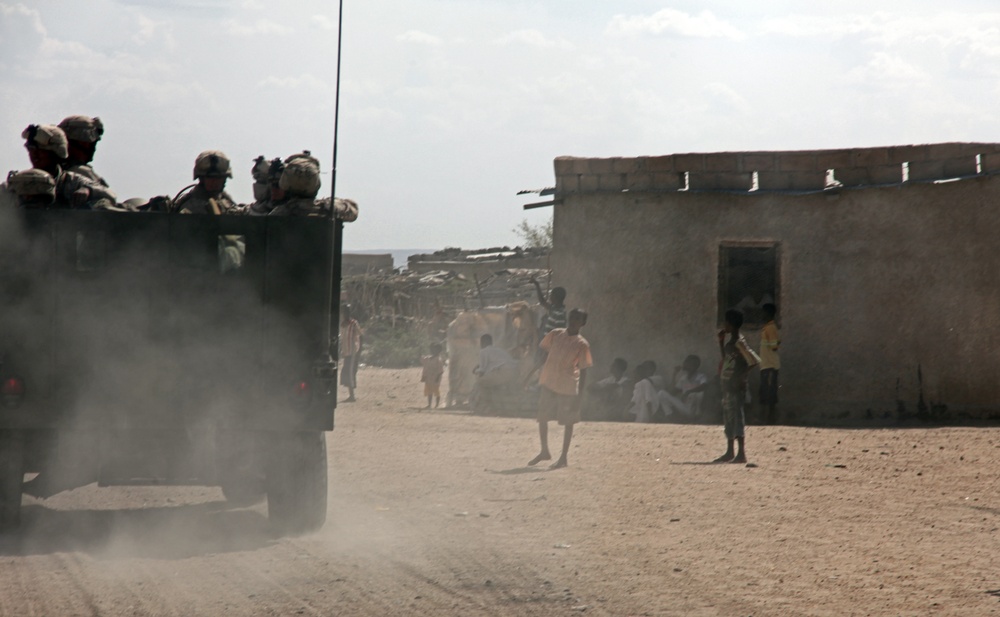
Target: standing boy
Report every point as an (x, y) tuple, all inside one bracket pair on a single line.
[(431, 375), (737, 360), (350, 351), (770, 363), (562, 379)]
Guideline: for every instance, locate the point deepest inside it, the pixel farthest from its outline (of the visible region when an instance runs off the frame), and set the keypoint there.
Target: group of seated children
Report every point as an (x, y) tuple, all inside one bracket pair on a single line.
[(647, 397)]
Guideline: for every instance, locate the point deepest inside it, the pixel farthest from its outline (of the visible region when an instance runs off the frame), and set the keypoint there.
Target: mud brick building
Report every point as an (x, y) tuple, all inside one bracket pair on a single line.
[(884, 263)]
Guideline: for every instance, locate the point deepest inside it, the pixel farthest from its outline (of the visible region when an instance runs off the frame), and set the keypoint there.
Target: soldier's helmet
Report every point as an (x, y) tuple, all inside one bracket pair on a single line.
[(212, 164), (300, 177), (259, 170), (46, 137), (265, 173), (32, 185), (82, 128)]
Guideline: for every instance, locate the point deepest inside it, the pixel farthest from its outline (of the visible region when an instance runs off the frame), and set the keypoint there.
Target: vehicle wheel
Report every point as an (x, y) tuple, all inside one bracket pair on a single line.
[(11, 479), (296, 482)]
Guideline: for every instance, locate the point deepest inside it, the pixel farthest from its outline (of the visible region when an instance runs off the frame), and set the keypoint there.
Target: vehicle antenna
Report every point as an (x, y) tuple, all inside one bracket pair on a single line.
[(331, 334)]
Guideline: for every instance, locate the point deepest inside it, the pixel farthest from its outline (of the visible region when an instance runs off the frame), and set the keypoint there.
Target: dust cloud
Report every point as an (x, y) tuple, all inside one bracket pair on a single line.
[(152, 360)]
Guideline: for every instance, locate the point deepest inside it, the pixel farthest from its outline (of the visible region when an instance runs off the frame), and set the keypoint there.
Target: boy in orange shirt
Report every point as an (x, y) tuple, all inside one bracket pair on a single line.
[(562, 380)]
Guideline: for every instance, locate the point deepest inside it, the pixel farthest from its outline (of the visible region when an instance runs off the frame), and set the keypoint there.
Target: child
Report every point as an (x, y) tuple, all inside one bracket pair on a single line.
[(562, 379), (431, 375), (688, 390), (555, 309), (608, 396), (645, 399), (350, 351), (770, 363), (737, 360)]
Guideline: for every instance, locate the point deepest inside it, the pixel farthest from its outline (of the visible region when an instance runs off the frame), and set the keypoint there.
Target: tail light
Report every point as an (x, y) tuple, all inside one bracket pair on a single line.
[(301, 393), (12, 391)]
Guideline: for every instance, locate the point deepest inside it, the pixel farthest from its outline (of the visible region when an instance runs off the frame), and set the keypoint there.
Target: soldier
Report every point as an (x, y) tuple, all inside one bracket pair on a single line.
[(299, 184), (211, 169), (30, 188), (266, 192), (48, 149), (82, 135)]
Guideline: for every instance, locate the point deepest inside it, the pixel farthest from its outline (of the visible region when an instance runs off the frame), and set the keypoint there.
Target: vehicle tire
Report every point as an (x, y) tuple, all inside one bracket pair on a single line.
[(296, 482), (11, 479)]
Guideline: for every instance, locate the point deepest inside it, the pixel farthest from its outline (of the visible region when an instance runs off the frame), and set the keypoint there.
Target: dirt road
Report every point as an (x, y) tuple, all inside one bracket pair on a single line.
[(434, 513)]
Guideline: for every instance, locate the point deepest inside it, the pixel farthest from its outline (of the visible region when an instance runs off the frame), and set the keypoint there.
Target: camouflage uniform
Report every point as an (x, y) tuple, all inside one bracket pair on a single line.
[(30, 188), (265, 173), (52, 138), (85, 130), (345, 209), (194, 199), (300, 181)]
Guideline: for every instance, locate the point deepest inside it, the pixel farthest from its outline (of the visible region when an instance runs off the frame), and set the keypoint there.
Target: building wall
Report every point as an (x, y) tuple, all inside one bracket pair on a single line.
[(874, 283)]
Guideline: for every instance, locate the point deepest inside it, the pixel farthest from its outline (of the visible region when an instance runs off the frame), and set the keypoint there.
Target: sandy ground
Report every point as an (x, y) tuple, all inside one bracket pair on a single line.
[(435, 513)]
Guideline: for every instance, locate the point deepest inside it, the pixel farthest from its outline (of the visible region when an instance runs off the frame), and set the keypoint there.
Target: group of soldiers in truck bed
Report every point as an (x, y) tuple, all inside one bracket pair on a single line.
[(61, 176)]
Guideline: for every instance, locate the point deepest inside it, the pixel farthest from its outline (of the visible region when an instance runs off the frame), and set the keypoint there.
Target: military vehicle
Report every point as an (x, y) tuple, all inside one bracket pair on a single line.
[(167, 349)]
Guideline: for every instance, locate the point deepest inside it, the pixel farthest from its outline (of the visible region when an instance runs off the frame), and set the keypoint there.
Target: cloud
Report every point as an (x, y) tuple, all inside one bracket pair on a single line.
[(419, 38), (261, 26), (304, 81), (534, 38), (19, 10), (322, 22), (885, 69), (726, 97), (674, 22)]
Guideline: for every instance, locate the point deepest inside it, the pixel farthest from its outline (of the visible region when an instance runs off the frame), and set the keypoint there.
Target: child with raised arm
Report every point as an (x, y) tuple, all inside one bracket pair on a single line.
[(431, 375), (737, 360), (562, 380)]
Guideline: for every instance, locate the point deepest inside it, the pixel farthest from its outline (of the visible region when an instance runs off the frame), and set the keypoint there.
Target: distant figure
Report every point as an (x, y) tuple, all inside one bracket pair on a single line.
[(29, 188), (737, 360), (431, 375), (82, 134), (609, 397), (688, 389), (265, 185), (555, 309), (297, 188), (645, 397), (562, 379), (770, 364), (496, 370), (208, 195), (350, 351), (48, 149)]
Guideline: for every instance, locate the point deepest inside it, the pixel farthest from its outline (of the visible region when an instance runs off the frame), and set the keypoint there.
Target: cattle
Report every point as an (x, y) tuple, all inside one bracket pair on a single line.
[(513, 327)]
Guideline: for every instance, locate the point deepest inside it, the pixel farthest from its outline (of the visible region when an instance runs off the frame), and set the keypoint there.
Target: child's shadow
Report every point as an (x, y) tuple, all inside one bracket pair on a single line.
[(517, 470)]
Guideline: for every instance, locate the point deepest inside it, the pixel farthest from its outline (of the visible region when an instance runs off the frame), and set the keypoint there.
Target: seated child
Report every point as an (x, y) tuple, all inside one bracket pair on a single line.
[(608, 397), (685, 395), (645, 398)]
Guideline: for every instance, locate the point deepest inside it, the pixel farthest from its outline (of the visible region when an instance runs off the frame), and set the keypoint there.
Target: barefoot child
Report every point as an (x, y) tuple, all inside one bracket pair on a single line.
[(737, 360), (431, 375), (562, 379)]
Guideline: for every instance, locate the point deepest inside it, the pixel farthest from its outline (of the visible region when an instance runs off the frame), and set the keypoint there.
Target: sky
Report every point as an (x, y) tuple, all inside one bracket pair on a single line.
[(449, 107)]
